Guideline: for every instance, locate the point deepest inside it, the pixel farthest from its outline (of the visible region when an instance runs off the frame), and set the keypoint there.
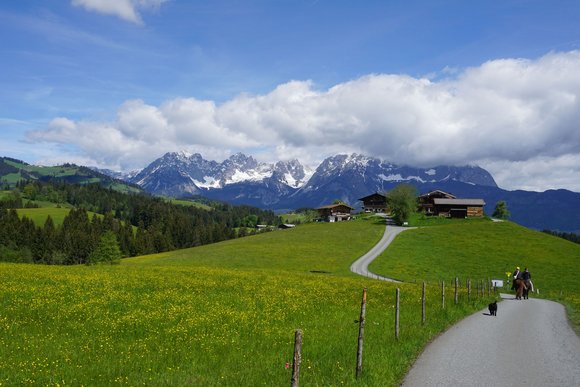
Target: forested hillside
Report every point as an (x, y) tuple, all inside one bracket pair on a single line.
[(141, 223), (13, 171)]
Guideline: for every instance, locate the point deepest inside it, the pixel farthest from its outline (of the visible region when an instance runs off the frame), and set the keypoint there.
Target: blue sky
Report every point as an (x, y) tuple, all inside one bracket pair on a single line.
[(117, 83)]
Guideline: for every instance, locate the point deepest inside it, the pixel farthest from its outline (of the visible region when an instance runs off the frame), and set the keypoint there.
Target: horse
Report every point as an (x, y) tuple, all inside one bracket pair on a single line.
[(520, 286), (527, 288)]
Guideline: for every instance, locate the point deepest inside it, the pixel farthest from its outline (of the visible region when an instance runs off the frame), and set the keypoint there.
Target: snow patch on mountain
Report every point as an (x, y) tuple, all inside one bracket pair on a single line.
[(207, 182), (398, 177), (239, 176)]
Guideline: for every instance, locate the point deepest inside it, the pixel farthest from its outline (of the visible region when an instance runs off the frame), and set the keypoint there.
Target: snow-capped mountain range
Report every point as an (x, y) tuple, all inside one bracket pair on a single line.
[(179, 173), (242, 179), (288, 185)]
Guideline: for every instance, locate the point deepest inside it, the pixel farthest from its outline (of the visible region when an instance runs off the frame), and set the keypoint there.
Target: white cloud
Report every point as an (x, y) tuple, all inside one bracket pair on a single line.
[(510, 112), (537, 174), (125, 9)]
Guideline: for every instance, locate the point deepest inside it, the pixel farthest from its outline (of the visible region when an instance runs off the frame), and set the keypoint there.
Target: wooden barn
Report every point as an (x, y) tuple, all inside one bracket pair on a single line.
[(335, 212), (459, 208), (374, 203), (441, 203)]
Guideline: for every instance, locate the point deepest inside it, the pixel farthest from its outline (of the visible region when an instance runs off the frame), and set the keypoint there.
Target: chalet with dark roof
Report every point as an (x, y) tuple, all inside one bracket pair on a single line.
[(374, 203), (335, 212), (426, 201)]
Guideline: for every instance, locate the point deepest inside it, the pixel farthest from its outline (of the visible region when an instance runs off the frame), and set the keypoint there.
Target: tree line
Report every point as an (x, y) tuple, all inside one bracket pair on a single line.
[(141, 224), (565, 235)]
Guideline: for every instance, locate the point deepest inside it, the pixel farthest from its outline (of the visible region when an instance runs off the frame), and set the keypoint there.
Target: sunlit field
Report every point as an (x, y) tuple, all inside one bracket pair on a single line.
[(487, 250), (39, 215), (223, 314)]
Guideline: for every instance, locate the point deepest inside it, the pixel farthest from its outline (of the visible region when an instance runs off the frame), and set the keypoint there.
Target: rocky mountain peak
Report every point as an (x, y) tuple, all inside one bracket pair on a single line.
[(343, 175)]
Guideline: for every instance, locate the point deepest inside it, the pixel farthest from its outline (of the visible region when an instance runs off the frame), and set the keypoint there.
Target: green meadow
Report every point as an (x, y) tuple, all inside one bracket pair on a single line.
[(39, 215), (191, 203), (225, 314), (483, 249)]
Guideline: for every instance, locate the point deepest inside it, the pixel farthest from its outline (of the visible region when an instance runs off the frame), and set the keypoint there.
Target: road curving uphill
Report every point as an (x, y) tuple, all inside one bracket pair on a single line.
[(360, 266), (529, 343)]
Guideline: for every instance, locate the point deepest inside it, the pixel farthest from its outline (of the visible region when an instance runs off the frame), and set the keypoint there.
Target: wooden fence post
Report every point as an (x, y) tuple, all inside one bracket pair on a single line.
[(297, 358), (487, 289), (361, 331), (423, 304), (469, 290), (442, 294), (456, 294), (397, 314)]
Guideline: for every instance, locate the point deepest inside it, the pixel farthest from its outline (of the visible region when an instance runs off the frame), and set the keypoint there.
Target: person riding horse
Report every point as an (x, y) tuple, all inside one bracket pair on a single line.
[(522, 283), (527, 277), (517, 274)]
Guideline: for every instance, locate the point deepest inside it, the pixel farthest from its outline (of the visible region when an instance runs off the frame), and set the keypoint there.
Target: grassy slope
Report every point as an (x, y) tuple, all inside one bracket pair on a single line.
[(222, 314), (486, 250), (311, 247), (191, 203), (39, 215), (64, 172)]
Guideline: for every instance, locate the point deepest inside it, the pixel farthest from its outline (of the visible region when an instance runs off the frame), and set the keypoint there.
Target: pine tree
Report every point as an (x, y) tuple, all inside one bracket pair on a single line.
[(107, 250), (49, 242)]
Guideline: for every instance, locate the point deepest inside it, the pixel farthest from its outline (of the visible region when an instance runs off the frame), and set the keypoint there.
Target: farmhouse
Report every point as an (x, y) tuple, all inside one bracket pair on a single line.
[(335, 212), (444, 204), (426, 201), (374, 203)]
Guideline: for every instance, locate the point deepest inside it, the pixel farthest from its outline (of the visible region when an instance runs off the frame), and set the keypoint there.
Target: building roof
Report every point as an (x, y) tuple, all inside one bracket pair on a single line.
[(334, 206), (440, 192), (372, 195), (460, 202)]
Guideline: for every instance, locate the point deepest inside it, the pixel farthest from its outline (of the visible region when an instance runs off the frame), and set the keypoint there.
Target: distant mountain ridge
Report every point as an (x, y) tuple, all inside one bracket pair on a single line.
[(349, 177), (285, 185), (178, 173), (242, 178)]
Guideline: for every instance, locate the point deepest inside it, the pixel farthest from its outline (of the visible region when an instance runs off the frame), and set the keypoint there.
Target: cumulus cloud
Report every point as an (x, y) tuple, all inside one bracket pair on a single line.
[(537, 174), (125, 9), (517, 112)]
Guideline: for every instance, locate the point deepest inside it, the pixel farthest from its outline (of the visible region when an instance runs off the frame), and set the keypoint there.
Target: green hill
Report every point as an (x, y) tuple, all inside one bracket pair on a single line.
[(39, 215), (225, 314), (13, 171), (486, 250)]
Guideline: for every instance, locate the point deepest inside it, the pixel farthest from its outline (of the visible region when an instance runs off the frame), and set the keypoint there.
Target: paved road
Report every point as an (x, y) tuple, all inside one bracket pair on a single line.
[(478, 350), (360, 266)]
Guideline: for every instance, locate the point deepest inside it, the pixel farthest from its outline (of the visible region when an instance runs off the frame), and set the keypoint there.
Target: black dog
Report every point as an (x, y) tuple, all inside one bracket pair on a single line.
[(493, 308)]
